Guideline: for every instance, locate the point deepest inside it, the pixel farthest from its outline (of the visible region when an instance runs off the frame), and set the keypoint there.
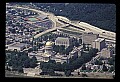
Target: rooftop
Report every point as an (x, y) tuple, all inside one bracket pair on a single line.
[(62, 38), (49, 43), (99, 39), (18, 44)]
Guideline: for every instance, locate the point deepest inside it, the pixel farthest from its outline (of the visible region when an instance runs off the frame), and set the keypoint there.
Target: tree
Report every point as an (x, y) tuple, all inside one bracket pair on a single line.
[(20, 69), (51, 72), (67, 73), (26, 63), (52, 61), (33, 62), (30, 50), (112, 68), (84, 75), (61, 49), (98, 62), (93, 51), (111, 61), (56, 48), (83, 67), (68, 49), (44, 71), (58, 67), (104, 68)]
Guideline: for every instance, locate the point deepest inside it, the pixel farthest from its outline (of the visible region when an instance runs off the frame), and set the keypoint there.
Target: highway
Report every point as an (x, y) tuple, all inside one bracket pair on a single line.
[(90, 28), (49, 30), (84, 27)]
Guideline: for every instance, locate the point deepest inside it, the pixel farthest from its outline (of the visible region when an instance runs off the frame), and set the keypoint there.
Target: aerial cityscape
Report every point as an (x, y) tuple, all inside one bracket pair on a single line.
[(43, 44)]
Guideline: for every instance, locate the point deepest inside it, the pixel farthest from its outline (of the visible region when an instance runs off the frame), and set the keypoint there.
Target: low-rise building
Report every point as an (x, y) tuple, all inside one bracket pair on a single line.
[(63, 41), (17, 46), (32, 71), (60, 58), (88, 38), (106, 53)]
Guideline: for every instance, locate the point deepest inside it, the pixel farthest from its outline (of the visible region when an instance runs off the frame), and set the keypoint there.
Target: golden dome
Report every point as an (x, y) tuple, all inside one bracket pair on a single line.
[(48, 43)]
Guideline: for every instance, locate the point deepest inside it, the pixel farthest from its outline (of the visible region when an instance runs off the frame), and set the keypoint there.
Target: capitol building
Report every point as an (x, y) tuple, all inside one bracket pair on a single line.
[(48, 49), (47, 53)]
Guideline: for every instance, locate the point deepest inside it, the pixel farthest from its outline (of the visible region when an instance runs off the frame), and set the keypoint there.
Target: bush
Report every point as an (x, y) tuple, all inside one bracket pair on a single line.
[(84, 75), (20, 69), (68, 73)]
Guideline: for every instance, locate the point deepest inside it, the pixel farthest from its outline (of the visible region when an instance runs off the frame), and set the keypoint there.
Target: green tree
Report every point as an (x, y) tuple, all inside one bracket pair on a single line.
[(51, 72), (84, 75), (52, 61), (26, 63), (30, 49), (44, 71), (20, 69), (111, 61), (98, 62), (83, 67), (104, 68), (112, 68), (33, 62), (67, 73)]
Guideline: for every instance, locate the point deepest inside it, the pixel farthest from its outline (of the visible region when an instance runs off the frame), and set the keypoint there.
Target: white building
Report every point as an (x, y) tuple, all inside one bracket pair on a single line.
[(32, 71), (17, 46), (43, 56), (63, 41), (99, 44), (48, 48)]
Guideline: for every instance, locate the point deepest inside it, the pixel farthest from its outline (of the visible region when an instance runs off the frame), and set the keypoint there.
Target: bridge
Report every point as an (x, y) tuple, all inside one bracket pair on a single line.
[(49, 30)]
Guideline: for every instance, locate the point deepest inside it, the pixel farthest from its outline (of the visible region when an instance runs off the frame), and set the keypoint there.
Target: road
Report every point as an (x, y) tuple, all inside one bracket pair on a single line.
[(51, 17), (88, 28)]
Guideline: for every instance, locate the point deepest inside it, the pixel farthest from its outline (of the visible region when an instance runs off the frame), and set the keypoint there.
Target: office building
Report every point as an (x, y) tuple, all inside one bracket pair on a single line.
[(63, 41), (17, 46), (88, 38), (99, 44)]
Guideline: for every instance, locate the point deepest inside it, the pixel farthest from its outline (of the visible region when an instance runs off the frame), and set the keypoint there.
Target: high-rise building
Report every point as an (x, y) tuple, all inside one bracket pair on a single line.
[(99, 44)]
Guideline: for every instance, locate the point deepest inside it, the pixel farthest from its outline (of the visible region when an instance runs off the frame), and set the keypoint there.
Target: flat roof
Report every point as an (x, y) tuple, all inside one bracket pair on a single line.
[(62, 38), (99, 39), (18, 44), (32, 19)]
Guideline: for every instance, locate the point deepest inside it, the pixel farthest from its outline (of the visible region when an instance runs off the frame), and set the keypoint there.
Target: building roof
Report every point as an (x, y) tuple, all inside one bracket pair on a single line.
[(99, 39), (48, 43), (17, 44), (62, 38), (90, 34), (46, 55)]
